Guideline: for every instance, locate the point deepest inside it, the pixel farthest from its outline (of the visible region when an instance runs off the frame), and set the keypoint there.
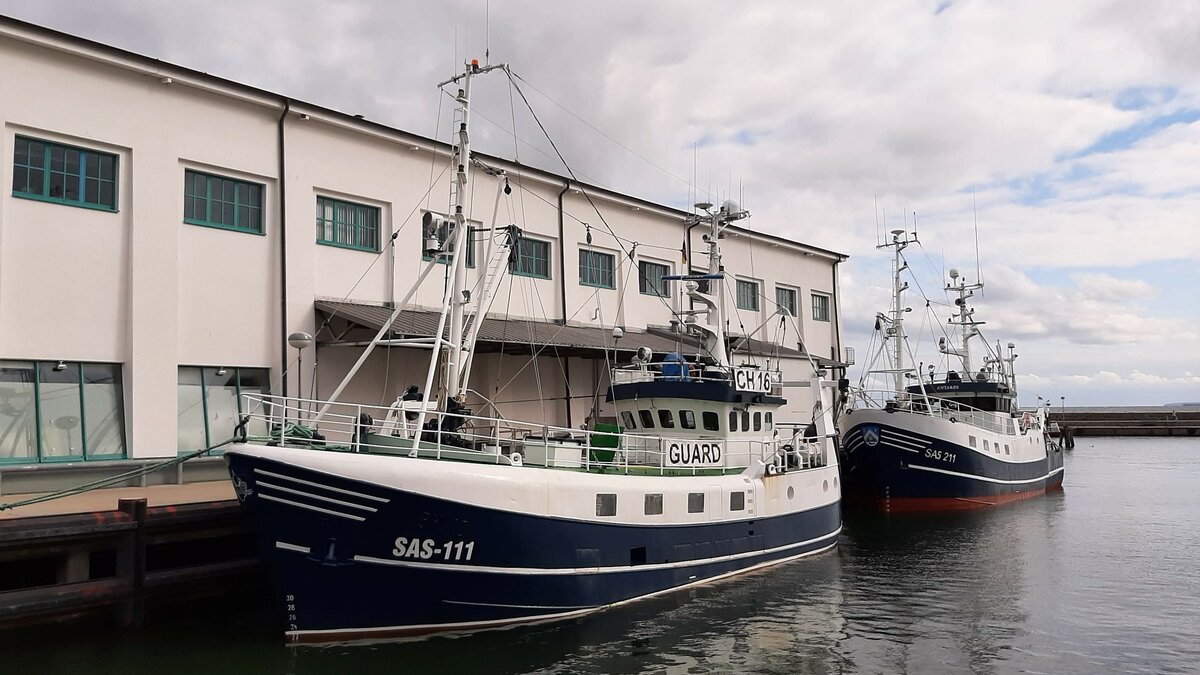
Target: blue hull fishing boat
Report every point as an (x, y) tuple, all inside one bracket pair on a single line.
[(951, 441), (423, 517)]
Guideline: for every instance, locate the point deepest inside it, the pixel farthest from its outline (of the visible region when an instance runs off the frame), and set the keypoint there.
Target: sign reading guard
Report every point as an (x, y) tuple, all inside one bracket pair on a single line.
[(698, 453)]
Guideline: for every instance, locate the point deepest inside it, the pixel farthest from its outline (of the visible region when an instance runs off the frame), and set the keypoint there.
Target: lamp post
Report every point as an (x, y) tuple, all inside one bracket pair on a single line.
[(299, 340), (1062, 406)]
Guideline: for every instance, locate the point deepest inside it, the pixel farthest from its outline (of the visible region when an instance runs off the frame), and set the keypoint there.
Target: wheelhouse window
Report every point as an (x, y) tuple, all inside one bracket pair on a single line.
[(745, 420), (64, 174), (627, 419), (972, 441), (733, 420), (647, 419), (532, 258), (347, 224), (665, 419), (785, 298), (210, 403), (227, 203), (606, 504), (650, 278), (820, 307), (695, 502), (711, 421), (687, 419), (737, 501), (654, 504), (596, 269), (61, 411), (758, 421), (769, 419), (747, 295)]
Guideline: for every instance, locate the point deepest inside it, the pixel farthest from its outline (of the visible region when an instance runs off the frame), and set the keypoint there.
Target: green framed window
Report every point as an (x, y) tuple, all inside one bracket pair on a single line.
[(210, 403), (650, 278), (747, 295), (444, 236), (785, 298), (532, 258), (820, 307), (597, 269), (347, 224), (64, 174), (217, 201), (60, 411)]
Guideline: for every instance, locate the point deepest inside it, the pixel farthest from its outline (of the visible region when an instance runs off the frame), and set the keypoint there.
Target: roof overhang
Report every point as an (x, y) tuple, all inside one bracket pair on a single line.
[(353, 323)]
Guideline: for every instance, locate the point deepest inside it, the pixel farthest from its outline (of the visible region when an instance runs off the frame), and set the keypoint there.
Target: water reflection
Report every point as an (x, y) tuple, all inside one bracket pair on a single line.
[(1100, 578)]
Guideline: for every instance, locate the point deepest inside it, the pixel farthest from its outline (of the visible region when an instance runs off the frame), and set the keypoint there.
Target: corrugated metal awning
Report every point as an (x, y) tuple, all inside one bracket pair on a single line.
[(525, 335)]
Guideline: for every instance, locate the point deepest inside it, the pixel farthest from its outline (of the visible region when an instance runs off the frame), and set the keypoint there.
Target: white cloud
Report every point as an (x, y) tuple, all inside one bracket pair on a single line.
[(977, 113)]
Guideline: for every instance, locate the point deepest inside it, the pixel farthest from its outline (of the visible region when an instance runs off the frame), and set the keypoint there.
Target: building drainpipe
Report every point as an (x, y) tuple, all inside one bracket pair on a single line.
[(283, 299), (562, 290)]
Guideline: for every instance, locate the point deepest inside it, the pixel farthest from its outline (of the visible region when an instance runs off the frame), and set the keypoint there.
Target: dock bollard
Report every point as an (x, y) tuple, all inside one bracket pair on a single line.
[(131, 564)]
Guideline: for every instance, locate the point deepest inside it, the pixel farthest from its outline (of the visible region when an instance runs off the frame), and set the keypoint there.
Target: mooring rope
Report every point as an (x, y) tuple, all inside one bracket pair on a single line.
[(119, 478)]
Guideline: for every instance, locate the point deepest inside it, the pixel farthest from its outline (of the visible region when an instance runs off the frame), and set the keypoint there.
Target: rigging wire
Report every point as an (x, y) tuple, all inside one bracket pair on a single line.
[(610, 138)]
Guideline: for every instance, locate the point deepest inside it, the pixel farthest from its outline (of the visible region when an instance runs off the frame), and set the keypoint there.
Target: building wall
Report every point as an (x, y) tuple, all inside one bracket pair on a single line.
[(140, 287)]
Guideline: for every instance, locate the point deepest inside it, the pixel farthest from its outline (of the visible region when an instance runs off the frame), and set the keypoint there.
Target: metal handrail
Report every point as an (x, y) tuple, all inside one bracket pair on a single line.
[(933, 406), (343, 429)]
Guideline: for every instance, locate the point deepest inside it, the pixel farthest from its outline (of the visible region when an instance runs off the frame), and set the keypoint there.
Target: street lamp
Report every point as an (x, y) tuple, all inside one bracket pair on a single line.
[(1062, 407), (299, 340)]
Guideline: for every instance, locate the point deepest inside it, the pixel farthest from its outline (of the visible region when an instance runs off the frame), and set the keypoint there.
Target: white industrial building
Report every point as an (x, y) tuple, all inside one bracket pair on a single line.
[(162, 232)]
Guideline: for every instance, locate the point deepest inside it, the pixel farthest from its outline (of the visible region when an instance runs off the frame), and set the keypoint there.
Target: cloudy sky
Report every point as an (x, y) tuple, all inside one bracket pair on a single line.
[(1066, 133)]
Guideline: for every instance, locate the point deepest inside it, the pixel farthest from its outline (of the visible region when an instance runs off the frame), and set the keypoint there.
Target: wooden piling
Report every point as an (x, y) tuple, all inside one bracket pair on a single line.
[(131, 564)]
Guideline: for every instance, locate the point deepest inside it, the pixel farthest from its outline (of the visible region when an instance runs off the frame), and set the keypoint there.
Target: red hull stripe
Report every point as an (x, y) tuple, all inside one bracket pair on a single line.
[(916, 504)]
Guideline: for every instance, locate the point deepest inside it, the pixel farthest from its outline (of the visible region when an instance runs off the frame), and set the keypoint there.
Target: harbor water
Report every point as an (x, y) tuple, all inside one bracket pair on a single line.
[(1103, 576)]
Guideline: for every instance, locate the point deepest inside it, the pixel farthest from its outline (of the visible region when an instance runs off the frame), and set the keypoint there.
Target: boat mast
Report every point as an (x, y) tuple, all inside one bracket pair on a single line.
[(968, 326), (453, 386), (895, 332), (714, 300)]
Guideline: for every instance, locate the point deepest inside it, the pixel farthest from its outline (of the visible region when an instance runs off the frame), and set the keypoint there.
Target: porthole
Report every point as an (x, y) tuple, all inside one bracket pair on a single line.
[(835, 483), (825, 486), (791, 492)]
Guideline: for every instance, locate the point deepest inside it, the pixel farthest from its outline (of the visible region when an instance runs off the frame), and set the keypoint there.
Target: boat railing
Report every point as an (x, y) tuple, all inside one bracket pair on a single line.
[(933, 406), (677, 371), (349, 427)]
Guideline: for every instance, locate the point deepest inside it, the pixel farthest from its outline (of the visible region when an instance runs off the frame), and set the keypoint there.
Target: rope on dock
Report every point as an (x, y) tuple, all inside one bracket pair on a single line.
[(119, 478)]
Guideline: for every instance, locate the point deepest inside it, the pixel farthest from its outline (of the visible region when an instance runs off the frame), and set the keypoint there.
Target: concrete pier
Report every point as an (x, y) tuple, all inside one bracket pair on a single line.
[(1128, 421)]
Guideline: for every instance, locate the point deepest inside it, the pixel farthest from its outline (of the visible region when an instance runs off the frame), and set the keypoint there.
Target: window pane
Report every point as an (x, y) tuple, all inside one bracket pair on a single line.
[(21, 152), (647, 419), (745, 420), (58, 398), (107, 194), (650, 278), (21, 180), (747, 295), (606, 505), (711, 421), (191, 410), (104, 409), (654, 504), (627, 418), (666, 419), (220, 388), (820, 305), (253, 381), (687, 419), (758, 421), (737, 501), (18, 411), (733, 420), (695, 502)]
